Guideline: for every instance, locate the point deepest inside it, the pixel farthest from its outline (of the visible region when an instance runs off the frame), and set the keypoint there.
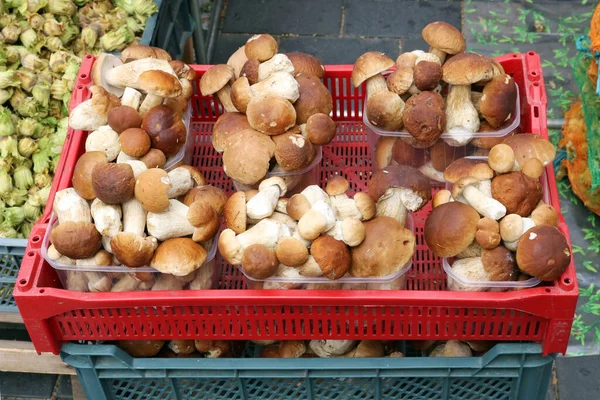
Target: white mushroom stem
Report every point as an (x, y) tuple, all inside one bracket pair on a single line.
[(54, 255), (127, 283), (237, 61), (281, 206), (131, 98), (345, 207), (484, 205), (331, 348), (296, 235), (462, 119), (106, 243), (396, 202), (283, 271), (528, 223), (278, 63), (106, 140), (432, 173), (69, 206), (122, 158), (476, 100), (285, 220), (149, 102), (280, 83), (127, 75), (137, 166), (134, 217), (107, 217), (181, 182), (314, 193), (485, 186), (266, 232), (310, 268), (469, 269), (438, 53), (263, 204), (328, 212), (97, 281), (204, 279), (224, 95), (84, 117), (376, 84), (171, 223)]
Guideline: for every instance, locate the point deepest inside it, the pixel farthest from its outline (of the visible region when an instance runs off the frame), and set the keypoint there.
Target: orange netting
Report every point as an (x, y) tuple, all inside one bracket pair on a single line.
[(595, 29)]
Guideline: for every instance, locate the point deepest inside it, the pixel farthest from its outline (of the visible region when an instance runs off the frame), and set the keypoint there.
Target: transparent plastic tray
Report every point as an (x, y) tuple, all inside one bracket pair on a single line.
[(174, 161), (382, 280)]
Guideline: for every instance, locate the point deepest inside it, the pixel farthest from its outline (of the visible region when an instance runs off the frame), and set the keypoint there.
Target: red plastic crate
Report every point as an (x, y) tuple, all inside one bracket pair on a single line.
[(424, 311)]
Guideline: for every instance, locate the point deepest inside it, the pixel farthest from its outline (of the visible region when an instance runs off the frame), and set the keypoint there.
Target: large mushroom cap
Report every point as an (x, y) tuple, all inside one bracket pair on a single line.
[(445, 37), (519, 193), (401, 177), (387, 248), (320, 129), (526, 146), (332, 256), (139, 51), (543, 252), (165, 128), (124, 117), (499, 263), (159, 83), (498, 101), (226, 126), (82, 174), (271, 115), (305, 64), (113, 183), (215, 78), (466, 69), (451, 228), (369, 65), (424, 117), (151, 190), (263, 47), (247, 159), (314, 98), (76, 240), (294, 153), (460, 168), (384, 110), (178, 256), (132, 250)]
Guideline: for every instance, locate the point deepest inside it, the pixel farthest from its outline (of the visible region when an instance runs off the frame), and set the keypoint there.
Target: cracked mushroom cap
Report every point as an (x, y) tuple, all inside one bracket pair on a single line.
[(178, 256), (113, 183), (271, 115), (82, 174), (526, 146), (305, 64), (259, 262), (159, 83), (332, 256), (424, 118), (543, 252), (320, 129), (385, 110), (215, 79), (519, 193), (466, 69), (460, 168), (76, 240), (314, 98), (151, 190), (226, 126), (401, 177), (235, 212), (387, 248), (445, 37), (498, 100), (294, 153), (369, 65), (451, 228), (209, 194), (262, 47), (499, 263), (132, 250), (247, 159)]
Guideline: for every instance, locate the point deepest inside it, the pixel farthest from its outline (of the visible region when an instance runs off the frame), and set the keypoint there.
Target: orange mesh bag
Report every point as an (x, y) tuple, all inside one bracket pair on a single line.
[(595, 29)]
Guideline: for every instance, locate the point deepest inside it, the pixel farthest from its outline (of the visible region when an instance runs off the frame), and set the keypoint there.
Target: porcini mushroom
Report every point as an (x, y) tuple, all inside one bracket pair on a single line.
[(82, 174), (166, 129), (226, 126), (543, 252), (257, 150), (271, 115), (444, 39), (277, 63), (482, 203), (218, 79), (278, 84), (519, 193), (498, 101), (104, 139), (259, 262), (263, 204), (526, 146), (306, 64), (314, 97), (178, 256), (93, 113), (450, 228), (424, 118), (170, 223), (123, 117), (262, 47)]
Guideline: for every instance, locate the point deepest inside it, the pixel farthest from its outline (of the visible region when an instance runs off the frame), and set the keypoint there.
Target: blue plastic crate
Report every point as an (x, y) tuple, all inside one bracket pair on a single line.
[(508, 372), (9, 268)]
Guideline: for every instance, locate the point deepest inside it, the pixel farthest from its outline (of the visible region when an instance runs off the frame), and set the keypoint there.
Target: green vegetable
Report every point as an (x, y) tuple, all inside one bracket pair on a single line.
[(6, 164), (16, 198), (89, 35), (8, 79), (30, 108), (11, 33), (81, 3), (59, 89), (14, 216), (31, 40), (42, 180), (41, 161), (12, 54), (117, 40), (7, 127), (61, 7), (27, 226), (58, 61), (56, 109), (53, 28), (71, 33), (27, 79), (34, 6), (5, 94), (134, 25), (7, 231), (28, 127), (23, 177), (54, 44), (27, 146), (6, 185), (33, 62), (36, 21), (41, 195), (71, 71), (41, 93)]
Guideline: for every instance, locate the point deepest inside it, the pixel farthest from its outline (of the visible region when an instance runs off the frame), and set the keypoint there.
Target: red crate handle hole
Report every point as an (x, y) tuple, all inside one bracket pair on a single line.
[(23, 282), (548, 290), (42, 290), (30, 254), (83, 76), (35, 239)]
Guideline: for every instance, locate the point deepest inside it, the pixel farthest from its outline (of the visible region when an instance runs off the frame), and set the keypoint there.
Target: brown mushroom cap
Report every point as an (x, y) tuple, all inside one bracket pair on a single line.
[(205, 219), (533, 168), (489, 142), (442, 154), (141, 348), (369, 65), (498, 100), (235, 212), (257, 150), (271, 115), (124, 117), (250, 70), (151, 190), (481, 172), (297, 206), (337, 185), (501, 158), (400, 176), (543, 252), (137, 51), (166, 129), (76, 240), (519, 193), (215, 79), (387, 248), (499, 263), (526, 146), (134, 142), (259, 262), (178, 256), (182, 70), (159, 83), (466, 69), (197, 176), (241, 94), (545, 214), (400, 80), (113, 183), (450, 228), (154, 158), (226, 126), (366, 205), (209, 194), (291, 251), (460, 168), (305, 64), (406, 60), (132, 250), (445, 37), (103, 101), (383, 151), (424, 117), (294, 153), (384, 110), (82, 174), (320, 129), (263, 47), (427, 75), (332, 256), (314, 98)]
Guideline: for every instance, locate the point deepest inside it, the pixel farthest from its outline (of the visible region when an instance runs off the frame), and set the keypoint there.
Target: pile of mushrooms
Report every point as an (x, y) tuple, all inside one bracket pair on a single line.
[(328, 349), (493, 223), (481, 97), (182, 348), (319, 233), (137, 105), (277, 112), (134, 215)]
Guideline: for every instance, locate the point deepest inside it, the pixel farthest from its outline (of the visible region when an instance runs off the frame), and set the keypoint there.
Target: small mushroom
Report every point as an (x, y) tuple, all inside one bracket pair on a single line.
[(82, 174), (235, 212), (76, 240), (291, 251), (132, 250), (314, 98), (93, 113), (157, 85), (401, 80), (543, 252), (443, 39), (424, 118), (104, 139), (502, 158), (237, 61), (262, 47), (259, 262), (450, 228), (241, 94), (294, 152), (451, 348), (328, 257), (263, 204), (122, 118), (319, 129), (331, 348), (498, 100), (512, 227), (266, 232), (166, 129), (134, 142), (426, 75), (205, 220), (482, 203), (526, 146), (488, 233), (217, 80), (545, 214)]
